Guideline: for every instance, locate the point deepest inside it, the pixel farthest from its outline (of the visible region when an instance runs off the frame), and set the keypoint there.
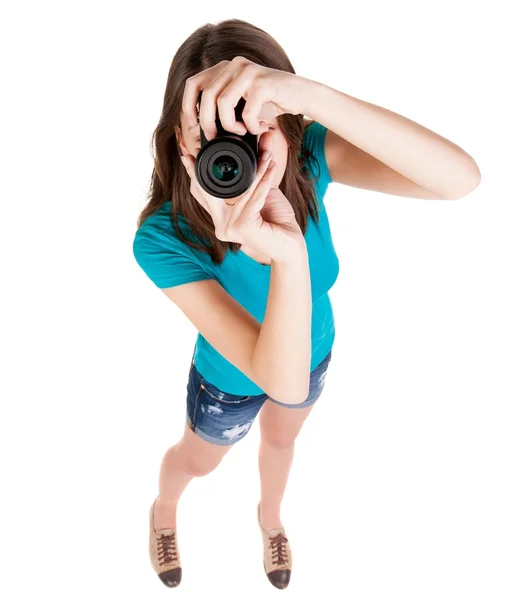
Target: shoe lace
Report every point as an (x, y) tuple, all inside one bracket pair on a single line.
[(279, 550), (166, 548)]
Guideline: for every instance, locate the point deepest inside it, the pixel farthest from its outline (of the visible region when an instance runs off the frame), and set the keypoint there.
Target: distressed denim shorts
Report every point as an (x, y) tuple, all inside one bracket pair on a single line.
[(224, 419)]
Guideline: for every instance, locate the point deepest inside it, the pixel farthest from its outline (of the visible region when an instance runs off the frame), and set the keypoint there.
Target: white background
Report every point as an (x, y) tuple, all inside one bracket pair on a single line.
[(398, 488)]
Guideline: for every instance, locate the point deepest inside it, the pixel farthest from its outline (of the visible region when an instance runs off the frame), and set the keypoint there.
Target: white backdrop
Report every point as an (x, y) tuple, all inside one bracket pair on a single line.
[(398, 487)]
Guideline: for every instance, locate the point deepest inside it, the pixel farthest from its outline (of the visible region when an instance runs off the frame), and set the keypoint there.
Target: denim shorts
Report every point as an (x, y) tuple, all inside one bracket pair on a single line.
[(223, 419)]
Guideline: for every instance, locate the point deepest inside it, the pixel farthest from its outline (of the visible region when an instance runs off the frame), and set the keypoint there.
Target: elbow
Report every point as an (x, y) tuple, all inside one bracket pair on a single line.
[(291, 395), (472, 182), (464, 192), (285, 388)]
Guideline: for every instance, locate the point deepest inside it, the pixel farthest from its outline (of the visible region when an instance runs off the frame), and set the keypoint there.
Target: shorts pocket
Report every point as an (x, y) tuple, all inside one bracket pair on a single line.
[(219, 396)]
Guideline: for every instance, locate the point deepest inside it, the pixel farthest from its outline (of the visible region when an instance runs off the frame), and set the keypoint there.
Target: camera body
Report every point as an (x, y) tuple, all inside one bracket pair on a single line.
[(227, 165)]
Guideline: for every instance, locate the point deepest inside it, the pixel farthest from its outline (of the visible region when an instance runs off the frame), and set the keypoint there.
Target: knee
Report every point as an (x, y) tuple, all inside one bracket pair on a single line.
[(196, 463), (199, 466), (278, 439)]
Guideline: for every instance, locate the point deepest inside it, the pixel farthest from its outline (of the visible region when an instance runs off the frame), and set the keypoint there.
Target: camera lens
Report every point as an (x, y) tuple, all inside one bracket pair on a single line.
[(225, 168)]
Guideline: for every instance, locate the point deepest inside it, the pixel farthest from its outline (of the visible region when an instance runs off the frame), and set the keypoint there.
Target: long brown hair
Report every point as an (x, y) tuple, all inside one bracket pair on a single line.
[(204, 48)]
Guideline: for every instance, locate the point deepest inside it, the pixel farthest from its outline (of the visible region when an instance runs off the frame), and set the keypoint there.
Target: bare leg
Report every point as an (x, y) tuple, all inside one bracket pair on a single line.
[(274, 466), (190, 457), (279, 428), (172, 481)]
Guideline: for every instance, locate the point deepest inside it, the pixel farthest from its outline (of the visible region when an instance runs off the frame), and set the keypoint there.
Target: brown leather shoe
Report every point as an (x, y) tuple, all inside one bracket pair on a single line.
[(164, 554), (277, 557)]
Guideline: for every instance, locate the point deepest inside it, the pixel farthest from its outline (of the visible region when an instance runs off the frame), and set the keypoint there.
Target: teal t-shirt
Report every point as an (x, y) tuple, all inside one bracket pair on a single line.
[(168, 262)]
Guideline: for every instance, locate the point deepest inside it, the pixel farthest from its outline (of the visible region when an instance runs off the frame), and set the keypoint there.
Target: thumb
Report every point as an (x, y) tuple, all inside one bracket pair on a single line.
[(187, 161), (265, 143)]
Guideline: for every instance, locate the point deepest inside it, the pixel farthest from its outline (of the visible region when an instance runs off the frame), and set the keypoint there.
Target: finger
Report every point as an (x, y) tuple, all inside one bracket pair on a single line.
[(228, 99), (262, 166), (187, 162), (226, 103), (190, 99), (216, 207), (191, 172), (265, 144), (266, 179), (241, 86), (194, 85), (255, 95), (257, 199), (195, 185), (262, 172), (208, 104)]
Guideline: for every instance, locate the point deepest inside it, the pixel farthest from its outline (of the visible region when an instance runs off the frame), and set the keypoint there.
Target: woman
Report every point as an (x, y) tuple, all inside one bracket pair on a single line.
[(253, 273)]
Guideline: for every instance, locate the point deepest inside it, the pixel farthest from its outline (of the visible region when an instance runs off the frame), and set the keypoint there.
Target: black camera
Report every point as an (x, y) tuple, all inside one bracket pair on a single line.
[(227, 165)]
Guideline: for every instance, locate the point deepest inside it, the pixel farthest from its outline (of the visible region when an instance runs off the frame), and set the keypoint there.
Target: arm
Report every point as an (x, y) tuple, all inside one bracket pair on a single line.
[(283, 349), (422, 159), (274, 354)]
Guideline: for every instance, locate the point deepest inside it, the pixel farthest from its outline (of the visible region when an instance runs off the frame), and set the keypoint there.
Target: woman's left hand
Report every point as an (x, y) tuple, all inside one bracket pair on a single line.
[(268, 93)]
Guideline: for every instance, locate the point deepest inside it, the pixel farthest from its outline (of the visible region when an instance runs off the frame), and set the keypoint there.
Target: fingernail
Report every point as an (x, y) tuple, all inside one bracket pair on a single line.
[(185, 162), (272, 163), (266, 155)]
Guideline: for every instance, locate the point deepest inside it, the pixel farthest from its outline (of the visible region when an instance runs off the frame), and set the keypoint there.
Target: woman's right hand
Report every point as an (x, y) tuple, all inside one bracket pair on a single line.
[(261, 218)]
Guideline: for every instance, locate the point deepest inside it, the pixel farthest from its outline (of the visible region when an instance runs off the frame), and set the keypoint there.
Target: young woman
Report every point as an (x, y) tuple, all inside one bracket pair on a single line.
[(253, 273)]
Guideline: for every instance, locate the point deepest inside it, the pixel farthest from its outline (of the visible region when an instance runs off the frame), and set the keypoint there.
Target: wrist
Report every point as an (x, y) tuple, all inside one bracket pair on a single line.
[(321, 101), (310, 98), (294, 255)]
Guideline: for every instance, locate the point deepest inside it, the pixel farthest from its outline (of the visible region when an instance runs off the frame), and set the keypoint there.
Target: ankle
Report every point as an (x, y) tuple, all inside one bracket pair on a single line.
[(269, 508), (166, 506), (269, 516), (164, 516)]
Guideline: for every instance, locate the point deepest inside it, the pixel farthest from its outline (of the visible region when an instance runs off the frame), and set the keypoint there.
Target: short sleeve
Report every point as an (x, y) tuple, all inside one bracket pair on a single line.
[(314, 140), (164, 259)]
